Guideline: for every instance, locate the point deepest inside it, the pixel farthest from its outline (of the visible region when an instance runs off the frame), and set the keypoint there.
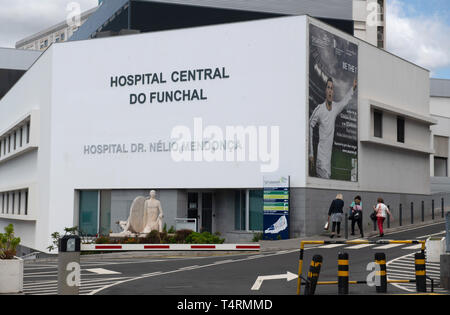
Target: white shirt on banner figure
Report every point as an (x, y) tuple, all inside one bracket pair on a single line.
[(325, 115)]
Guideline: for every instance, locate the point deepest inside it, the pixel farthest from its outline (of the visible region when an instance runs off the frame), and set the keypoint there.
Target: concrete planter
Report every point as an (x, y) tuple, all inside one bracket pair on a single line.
[(11, 276)]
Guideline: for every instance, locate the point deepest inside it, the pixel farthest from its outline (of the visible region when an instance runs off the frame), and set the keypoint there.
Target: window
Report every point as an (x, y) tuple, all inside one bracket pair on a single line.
[(239, 210), (89, 202), (248, 205), (256, 206), (378, 124), (400, 129), (440, 167)]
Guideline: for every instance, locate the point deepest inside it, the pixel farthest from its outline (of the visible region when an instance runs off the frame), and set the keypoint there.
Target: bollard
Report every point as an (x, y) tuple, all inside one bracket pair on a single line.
[(346, 226), (412, 213), (343, 273), (400, 215), (69, 270), (442, 207), (421, 280), (313, 275), (432, 209), (423, 211), (389, 218), (381, 275)]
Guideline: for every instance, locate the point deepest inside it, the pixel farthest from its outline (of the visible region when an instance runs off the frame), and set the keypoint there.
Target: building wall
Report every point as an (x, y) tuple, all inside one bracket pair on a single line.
[(266, 63), (28, 167), (440, 110)]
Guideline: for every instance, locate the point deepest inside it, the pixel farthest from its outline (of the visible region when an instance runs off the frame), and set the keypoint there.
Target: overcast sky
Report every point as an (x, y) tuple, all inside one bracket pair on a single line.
[(417, 30)]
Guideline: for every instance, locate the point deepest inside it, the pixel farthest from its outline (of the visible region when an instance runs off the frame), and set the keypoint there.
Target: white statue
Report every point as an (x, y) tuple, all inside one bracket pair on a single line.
[(145, 216), (153, 214)]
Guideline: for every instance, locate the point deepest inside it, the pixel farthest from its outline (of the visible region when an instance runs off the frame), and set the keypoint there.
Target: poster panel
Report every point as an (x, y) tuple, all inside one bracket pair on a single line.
[(333, 106), (276, 207)]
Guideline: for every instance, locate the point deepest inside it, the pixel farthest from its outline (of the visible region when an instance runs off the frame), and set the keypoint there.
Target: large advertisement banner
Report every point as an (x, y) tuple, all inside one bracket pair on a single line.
[(333, 106)]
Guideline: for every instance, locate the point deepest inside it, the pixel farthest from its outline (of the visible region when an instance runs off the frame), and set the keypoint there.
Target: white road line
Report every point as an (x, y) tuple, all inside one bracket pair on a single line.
[(359, 246), (102, 271), (418, 246), (332, 245), (388, 246)]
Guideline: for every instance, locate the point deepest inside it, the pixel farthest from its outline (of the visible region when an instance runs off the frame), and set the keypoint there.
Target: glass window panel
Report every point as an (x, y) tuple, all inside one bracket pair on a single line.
[(88, 212)]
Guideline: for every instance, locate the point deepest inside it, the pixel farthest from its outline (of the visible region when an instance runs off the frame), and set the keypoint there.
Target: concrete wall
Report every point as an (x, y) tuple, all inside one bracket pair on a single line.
[(313, 205)]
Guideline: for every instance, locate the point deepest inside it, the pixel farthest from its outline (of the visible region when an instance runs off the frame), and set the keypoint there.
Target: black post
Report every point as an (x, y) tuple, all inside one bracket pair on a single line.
[(400, 215), (313, 275), (389, 218), (421, 280), (343, 273), (423, 210), (346, 226), (442, 207), (381, 276), (432, 209), (412, 212)]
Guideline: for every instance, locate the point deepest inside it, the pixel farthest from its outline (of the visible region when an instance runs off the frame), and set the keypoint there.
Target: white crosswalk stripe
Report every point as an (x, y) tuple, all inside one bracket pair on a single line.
[(359, 246), (388, 246)]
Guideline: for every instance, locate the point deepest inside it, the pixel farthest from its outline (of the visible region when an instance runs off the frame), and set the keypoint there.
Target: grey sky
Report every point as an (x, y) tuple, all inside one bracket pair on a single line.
[(22, 18)]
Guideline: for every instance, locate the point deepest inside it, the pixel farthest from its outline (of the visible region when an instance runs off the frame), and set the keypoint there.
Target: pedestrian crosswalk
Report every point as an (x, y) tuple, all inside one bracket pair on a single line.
[(50, 287), (402, 268)]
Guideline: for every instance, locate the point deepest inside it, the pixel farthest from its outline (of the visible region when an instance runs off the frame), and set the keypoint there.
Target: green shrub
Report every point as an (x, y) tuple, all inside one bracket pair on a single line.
[(8, 243), (103, 240), (257, 237), (203, 238), (181, 235), (154, 237)]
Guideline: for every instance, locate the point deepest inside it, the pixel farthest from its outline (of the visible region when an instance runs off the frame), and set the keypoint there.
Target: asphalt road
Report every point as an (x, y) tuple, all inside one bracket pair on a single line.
[(235, 275)]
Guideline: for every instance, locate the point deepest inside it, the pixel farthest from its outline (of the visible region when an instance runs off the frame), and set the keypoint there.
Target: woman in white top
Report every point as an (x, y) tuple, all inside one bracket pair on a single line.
[(382, 211)]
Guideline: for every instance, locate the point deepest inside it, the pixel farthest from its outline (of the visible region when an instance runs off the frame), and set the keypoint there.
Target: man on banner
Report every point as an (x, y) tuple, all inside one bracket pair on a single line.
[(325, 115)]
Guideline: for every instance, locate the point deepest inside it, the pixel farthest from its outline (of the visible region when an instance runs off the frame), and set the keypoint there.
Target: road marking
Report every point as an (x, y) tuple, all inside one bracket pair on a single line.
[(288, 276), (359, 246), (332, 245), (418, 246), (388, 246), (102, 271)]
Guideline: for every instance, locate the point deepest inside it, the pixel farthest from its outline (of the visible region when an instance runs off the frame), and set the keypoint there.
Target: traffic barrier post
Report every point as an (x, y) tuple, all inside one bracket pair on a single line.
[(343, 273), (381, 275), (313, 275), (343, 266), (421, 280)]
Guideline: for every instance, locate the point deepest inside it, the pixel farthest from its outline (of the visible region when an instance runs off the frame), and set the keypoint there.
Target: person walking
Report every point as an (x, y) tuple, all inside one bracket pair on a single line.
[(335, 213), (381, 211), (356, 215)]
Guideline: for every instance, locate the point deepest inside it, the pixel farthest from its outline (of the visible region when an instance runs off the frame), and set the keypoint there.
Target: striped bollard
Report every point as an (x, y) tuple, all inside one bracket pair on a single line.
[(421, 273), (381, 275), (313, 275), (343, 273)]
